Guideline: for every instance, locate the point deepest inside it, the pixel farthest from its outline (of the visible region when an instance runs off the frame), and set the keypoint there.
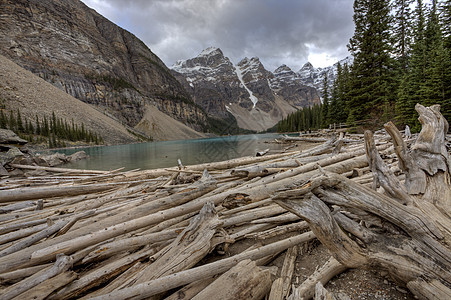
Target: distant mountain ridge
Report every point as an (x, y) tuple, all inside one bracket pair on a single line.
[(255, 97), (314, 77), (84, 54)]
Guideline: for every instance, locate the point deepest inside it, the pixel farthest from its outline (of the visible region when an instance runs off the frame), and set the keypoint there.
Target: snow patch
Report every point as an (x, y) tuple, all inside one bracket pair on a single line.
[(208, 51), (240, 77)]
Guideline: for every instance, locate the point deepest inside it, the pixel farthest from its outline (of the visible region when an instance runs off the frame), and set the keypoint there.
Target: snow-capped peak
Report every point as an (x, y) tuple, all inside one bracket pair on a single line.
[(210, 51)]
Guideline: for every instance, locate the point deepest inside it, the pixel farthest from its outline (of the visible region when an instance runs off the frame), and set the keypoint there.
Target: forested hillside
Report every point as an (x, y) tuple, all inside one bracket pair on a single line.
[(402, 56)]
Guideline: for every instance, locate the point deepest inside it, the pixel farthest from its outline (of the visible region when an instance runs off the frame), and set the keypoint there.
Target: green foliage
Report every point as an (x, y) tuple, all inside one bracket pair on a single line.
[(372, 81), (400, 59), (307, 118), (325, 114), (56, 131), (228, 126)]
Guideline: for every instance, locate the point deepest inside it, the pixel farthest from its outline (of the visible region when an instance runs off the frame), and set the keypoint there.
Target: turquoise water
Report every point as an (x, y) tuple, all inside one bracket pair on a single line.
[(165, 154)]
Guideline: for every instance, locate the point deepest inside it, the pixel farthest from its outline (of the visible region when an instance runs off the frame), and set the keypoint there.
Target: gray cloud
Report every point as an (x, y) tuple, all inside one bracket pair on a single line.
[(276, 31)]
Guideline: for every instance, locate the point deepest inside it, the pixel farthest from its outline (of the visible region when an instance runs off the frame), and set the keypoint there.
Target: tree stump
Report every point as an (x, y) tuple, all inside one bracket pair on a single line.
[(405, 227)]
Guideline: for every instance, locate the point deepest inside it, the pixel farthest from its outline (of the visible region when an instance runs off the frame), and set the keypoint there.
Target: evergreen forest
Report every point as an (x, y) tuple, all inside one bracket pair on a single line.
[(54, 131), (402, 56)]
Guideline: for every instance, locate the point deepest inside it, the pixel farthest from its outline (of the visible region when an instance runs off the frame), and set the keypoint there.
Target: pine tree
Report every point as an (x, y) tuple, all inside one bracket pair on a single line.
[(3, 120), (402, 30), (12, 121), (371, 81), (20, 126), (325, 104), (38, 126)]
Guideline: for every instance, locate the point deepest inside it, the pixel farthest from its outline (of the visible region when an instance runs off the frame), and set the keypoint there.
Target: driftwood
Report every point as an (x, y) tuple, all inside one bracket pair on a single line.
[(281, 286), (330, 269), (243, 281), (140, 234), (407, 232)]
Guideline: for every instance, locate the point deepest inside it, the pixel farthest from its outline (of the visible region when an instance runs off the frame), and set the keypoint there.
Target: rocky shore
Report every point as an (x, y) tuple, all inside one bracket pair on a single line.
[(16, 151)]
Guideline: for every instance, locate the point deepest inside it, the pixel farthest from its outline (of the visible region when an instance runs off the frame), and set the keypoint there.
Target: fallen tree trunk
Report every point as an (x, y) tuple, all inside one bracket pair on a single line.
[(243, 281), (408, 236), (166, 283)]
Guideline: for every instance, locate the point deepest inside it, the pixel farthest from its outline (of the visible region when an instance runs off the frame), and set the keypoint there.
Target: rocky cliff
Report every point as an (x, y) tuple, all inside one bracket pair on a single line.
[(255, 97), (314, 77), (81, 52)]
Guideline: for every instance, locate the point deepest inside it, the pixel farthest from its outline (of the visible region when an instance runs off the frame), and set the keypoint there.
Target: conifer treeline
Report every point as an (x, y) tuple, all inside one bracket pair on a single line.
[(55, 130), (308, 118), (400, 58)]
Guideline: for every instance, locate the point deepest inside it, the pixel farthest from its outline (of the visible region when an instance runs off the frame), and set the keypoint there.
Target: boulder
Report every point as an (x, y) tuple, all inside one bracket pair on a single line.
[(9, 137), (77, 156), (55, 159)]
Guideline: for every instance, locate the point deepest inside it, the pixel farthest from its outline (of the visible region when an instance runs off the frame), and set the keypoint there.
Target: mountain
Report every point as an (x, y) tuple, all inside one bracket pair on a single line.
[(84, 54), (22, 90), (314, 77), (248, 92)]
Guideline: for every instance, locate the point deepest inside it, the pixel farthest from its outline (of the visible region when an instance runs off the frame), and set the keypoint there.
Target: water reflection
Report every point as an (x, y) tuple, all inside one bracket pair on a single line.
[(165, 154)]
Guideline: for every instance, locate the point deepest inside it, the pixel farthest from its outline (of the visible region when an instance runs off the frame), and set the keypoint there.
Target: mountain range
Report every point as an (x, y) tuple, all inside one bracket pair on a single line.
[(80, 52), (254, 96)]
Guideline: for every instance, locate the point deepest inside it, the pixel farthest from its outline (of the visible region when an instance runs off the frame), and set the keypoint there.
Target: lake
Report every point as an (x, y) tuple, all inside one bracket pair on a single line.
[(154, 155)]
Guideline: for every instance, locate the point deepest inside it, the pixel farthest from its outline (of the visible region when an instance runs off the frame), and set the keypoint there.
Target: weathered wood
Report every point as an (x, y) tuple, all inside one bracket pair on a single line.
[(101, 275), (191, 290), (62, 264), (22, 194), (58, 170), (44, 289), (303, 139), (34, 238), (166, 283), (410, 241), (109, 249), (281, 286), (243, 281), (191, 245), (322, 275)]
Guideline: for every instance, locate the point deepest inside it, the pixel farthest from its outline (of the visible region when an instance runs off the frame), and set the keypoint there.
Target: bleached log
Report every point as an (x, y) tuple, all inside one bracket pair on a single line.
[(93, 238), (303, 139), (279, 230), (190, 290), (34, 238), (166, 283), (15, 235), (109, 249), (44, 289), (22, 194), (19, 274), (57, 170), (261, 153), (191, 245), (322, 275), (243, 281), (101, 275), (281, 286), (406, 258), (62, 264)]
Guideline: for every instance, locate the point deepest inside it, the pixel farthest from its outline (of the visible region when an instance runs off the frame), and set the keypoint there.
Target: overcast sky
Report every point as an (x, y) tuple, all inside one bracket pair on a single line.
[(289, 32)]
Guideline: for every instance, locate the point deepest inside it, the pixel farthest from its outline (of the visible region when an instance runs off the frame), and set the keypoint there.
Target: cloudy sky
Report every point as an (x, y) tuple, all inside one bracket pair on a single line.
[(289, 32)]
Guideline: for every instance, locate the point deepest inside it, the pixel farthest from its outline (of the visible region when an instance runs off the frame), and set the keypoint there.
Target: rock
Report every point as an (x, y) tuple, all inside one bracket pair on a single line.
[(9, 137), (3, 171), (77, 156), (247, 90), (55, 159), (102, 64), (16, 173), (35, 173), (13, 154), (40, 161)]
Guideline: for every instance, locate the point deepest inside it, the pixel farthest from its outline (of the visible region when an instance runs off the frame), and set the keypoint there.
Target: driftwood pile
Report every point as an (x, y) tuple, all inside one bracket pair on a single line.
[(167, 233)]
